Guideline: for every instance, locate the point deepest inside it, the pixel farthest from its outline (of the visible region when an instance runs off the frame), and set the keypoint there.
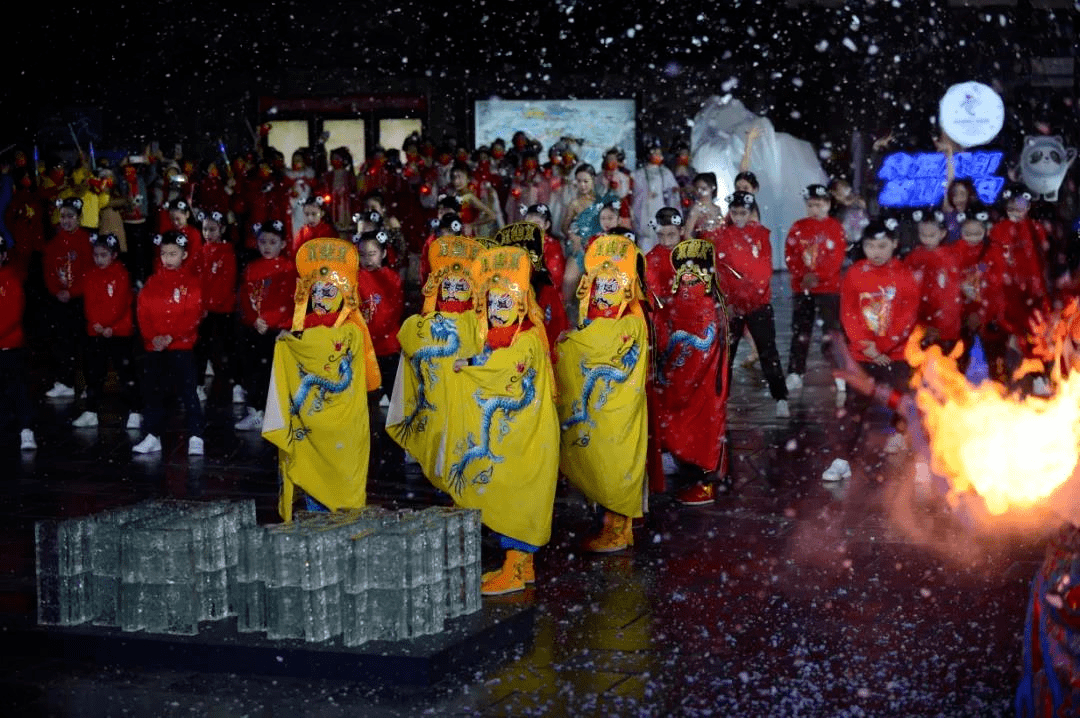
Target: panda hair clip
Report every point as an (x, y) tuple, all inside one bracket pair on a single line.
[(456, 226), (891, 224), (815, 191), (382, 237), (73, 202)]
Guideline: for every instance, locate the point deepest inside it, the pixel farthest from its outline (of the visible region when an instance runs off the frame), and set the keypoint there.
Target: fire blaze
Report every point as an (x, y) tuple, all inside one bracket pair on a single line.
[(1012, 450)]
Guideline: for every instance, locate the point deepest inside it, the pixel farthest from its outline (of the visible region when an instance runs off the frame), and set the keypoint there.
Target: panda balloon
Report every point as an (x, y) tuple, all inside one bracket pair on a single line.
[(1043, 165)]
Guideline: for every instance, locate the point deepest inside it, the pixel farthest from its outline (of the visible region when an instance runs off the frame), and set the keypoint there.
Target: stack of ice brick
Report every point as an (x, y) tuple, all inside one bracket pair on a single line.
[(158, 566), (366, 574), (164, 566)]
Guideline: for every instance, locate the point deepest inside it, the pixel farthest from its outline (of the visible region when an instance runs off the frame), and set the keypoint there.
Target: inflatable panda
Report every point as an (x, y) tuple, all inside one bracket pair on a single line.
[(1043, 165)]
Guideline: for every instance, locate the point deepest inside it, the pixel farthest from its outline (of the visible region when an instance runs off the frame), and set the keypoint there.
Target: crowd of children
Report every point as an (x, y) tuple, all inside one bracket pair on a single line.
[(573, 326)]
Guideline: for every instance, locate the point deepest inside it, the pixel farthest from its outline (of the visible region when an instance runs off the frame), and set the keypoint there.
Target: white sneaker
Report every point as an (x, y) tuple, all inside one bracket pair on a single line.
[(86, 420), (60, 391), (209, 368), (200, 391), (252, 422), (671, 466), (26, 440), (239, 396), (838, 469), (841, 386), (149, 445), (782, 410), (134, 420), (895, 443), (794, 382), (195, 446)]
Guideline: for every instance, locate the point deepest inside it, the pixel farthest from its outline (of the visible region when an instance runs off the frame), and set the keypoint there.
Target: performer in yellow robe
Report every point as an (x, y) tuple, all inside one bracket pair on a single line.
[(446, 329), (601, 375), (317, 406), (503, 433)]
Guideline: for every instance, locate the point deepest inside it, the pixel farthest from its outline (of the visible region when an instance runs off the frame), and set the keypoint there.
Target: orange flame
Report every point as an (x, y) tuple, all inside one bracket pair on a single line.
[(1012, 451)]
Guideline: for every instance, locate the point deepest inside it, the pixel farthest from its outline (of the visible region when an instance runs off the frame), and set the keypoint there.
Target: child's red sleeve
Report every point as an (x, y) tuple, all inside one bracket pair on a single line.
[(793, 249), (554, 260)]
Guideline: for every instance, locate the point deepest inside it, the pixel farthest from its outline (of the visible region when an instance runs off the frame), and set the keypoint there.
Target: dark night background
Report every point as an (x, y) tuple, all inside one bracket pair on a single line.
[(181, 72)]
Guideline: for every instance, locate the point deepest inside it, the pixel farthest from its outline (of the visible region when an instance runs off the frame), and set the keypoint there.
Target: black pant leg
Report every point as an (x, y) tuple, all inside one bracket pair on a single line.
[(762, 326), (803, 310)]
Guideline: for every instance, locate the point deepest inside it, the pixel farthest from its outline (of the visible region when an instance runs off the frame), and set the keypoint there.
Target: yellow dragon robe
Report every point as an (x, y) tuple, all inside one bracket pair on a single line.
[(317, 415), (420, 407), (503, 440), (601, 374)]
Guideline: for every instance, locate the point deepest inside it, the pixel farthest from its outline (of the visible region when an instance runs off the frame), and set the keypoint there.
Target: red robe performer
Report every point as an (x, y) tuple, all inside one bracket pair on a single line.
[(937, 272), (879, 304), (692, 369), (25, 219), (211, 193)]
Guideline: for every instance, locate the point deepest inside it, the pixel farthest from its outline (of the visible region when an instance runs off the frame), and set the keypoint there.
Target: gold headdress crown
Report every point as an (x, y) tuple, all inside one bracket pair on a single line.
[(326, 260)]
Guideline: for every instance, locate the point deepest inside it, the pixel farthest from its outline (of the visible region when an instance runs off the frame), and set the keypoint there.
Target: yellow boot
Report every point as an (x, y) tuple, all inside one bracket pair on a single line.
[(616, 535), (510, 578)]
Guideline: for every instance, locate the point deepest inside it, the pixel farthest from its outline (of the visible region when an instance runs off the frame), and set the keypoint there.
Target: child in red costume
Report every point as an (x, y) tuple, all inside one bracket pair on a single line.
[(169, 311), (659, 273), (547, 276), (180, 217), (937, 271), (64, 264), (315, 224), (216, 267), (110, 327), (879, 307), (975, 295), (266, 309), (1016, 273), (814, 255), (475, 215), (12, 349), (692, 374), (382, 303), (744, 275)]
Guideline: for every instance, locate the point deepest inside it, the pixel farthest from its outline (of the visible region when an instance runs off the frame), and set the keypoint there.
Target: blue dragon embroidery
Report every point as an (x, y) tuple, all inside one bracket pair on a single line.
[(606, 376), (685, 342), (488, 407), (443, 330), (321, 387)]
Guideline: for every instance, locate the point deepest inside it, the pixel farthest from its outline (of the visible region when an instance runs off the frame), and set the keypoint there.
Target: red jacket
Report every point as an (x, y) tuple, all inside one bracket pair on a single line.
[(817, 246), (308, 232), (216, 267), (382, 300), (938, 273), (67, 258), (12, 304), (210, 194), (554, 260), (659, 274), (879, 304), (170, 304), (1015, 266), (267, 292), (975, 296), (109, 300), (748, 252)]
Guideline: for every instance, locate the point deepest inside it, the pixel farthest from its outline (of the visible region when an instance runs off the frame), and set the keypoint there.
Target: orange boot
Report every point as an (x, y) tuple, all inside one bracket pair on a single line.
[(616, 535), (528, 572), (510, 578)]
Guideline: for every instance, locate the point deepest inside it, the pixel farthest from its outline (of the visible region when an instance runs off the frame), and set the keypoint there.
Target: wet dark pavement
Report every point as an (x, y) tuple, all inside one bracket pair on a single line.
[(789, 597)]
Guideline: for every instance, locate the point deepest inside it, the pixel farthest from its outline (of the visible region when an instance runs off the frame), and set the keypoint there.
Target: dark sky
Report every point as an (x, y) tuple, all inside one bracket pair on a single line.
[(178, 67)]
